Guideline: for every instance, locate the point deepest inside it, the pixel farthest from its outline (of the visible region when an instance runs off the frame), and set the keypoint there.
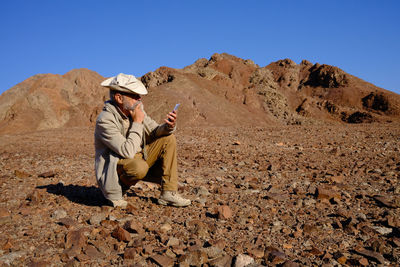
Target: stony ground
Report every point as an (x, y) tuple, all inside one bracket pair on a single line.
[(289, 195)]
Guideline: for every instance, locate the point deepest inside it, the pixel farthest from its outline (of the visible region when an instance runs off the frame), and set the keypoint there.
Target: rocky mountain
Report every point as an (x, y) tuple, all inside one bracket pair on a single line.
[(224, 90)]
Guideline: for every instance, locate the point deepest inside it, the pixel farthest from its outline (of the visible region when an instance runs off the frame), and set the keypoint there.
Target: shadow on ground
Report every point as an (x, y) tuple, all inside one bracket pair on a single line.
[(86, 195)]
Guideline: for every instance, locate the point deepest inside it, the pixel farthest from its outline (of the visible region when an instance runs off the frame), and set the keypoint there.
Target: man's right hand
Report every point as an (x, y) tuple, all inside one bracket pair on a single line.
[(137, 114)]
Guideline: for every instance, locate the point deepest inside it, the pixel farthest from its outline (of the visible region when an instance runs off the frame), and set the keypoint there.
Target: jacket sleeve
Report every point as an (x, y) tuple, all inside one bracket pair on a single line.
[(156, 130), (109, 133)]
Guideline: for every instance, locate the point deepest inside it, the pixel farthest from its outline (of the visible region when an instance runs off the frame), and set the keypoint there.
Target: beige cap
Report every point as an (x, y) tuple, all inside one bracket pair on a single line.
[(125, 83)]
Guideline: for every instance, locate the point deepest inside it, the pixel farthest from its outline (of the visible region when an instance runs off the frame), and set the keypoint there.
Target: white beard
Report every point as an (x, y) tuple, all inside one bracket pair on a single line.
[(126, 106)]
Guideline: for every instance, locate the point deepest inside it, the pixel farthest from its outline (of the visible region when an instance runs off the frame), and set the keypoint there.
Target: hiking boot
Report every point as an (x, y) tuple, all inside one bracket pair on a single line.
[(118, 203), (173, 198)]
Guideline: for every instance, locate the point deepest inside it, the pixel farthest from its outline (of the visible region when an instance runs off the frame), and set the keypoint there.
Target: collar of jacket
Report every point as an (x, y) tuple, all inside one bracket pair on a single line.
[(113, 108)]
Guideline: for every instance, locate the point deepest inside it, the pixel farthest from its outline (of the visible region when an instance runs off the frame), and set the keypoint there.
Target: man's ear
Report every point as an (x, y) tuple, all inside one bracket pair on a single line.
[(118, 98)]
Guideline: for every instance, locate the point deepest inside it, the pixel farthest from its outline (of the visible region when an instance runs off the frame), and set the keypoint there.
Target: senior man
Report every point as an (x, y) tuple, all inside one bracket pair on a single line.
[(130, 146)]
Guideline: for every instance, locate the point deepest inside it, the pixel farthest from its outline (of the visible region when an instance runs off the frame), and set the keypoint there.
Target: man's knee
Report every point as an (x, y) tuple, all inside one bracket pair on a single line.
[(136, 169), (169, 140)]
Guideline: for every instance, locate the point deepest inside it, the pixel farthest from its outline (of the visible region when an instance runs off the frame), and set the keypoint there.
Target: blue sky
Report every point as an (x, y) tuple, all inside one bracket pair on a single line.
[(362, 37)]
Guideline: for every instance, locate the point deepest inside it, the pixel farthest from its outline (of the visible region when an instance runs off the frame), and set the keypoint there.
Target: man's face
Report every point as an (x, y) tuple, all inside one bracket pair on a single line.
[(127, 101)]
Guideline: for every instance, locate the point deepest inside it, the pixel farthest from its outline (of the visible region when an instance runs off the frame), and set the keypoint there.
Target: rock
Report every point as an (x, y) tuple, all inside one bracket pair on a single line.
[(35, 197), (93, 253), (243, 260), (58, 214), (38, 263), (10, 257), (274, 255), (327, 193), (393, 221), (130, 253), (131, 209), (75, 239), (339, 179), (134, 226), (256, 253), (21, 174), (121, 234), (48, 174), (172, 241), (386, 202), (6, 245), (202, 191), (342, 259), (363, 262), (162, 260), (375, 256), (97, 218), (290, 264), (224, 261), (4, 212), (382, 230), (193, 258), (67, 222), (224, 212), (166, 227), (213, 252)]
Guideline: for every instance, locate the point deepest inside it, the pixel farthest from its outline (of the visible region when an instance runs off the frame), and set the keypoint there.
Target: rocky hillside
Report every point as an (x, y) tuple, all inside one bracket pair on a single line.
[(47, 101), (224, 90)]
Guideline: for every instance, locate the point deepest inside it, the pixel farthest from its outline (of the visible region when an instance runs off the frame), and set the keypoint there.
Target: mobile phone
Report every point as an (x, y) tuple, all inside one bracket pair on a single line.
[(176, 107)]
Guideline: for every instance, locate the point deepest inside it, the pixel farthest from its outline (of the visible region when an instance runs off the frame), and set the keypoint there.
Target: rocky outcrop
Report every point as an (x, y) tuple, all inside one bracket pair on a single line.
[(221, 90)]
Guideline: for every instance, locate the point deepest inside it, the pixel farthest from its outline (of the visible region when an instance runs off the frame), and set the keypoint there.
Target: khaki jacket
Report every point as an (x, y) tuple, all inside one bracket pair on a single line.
[(117, 137)]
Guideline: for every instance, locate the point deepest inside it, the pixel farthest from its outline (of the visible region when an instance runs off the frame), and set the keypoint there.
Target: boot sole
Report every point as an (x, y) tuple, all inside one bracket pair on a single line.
[(168, 203)]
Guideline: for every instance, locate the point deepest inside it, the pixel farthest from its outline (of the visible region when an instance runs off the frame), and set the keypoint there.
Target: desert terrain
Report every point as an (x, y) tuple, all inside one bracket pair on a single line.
[(286, 165), (288, 195)]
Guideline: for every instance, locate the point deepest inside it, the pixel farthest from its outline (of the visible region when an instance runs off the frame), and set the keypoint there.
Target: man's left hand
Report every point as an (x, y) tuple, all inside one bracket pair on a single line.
[(171, 119)]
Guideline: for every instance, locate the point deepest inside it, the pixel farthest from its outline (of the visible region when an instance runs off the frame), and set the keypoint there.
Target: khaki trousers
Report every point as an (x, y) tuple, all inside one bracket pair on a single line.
[(160, 166)]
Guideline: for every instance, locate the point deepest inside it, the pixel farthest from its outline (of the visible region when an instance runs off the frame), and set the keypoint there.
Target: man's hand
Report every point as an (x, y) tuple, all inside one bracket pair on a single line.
[(137, 114), (171, 119)]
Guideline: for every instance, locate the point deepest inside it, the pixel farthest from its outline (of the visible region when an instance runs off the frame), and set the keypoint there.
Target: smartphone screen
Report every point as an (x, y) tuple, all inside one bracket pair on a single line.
[(176, 107)]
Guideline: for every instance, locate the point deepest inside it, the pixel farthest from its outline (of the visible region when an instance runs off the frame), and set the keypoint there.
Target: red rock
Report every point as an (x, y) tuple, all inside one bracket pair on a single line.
[(35, 197), (134, 226), (93, 253), (363, 262), (38, 263), (224, 212), (163, 261), (48, 174), (21, 174), (67, 222), (327, 193), (337, 179), (225, 190), (193, 258), (316, 252), (131, 209), (130, 253), (256, 253), (385, 201), (342, 260), (223, 261), (393, 221), (83, 258), (75, 239), (372, 255), (6, 245), (4, 212), (121, 234), (290, 264)]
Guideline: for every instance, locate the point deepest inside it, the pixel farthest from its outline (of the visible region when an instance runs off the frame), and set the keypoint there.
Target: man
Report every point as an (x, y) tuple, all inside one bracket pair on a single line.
[(130, 146)]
